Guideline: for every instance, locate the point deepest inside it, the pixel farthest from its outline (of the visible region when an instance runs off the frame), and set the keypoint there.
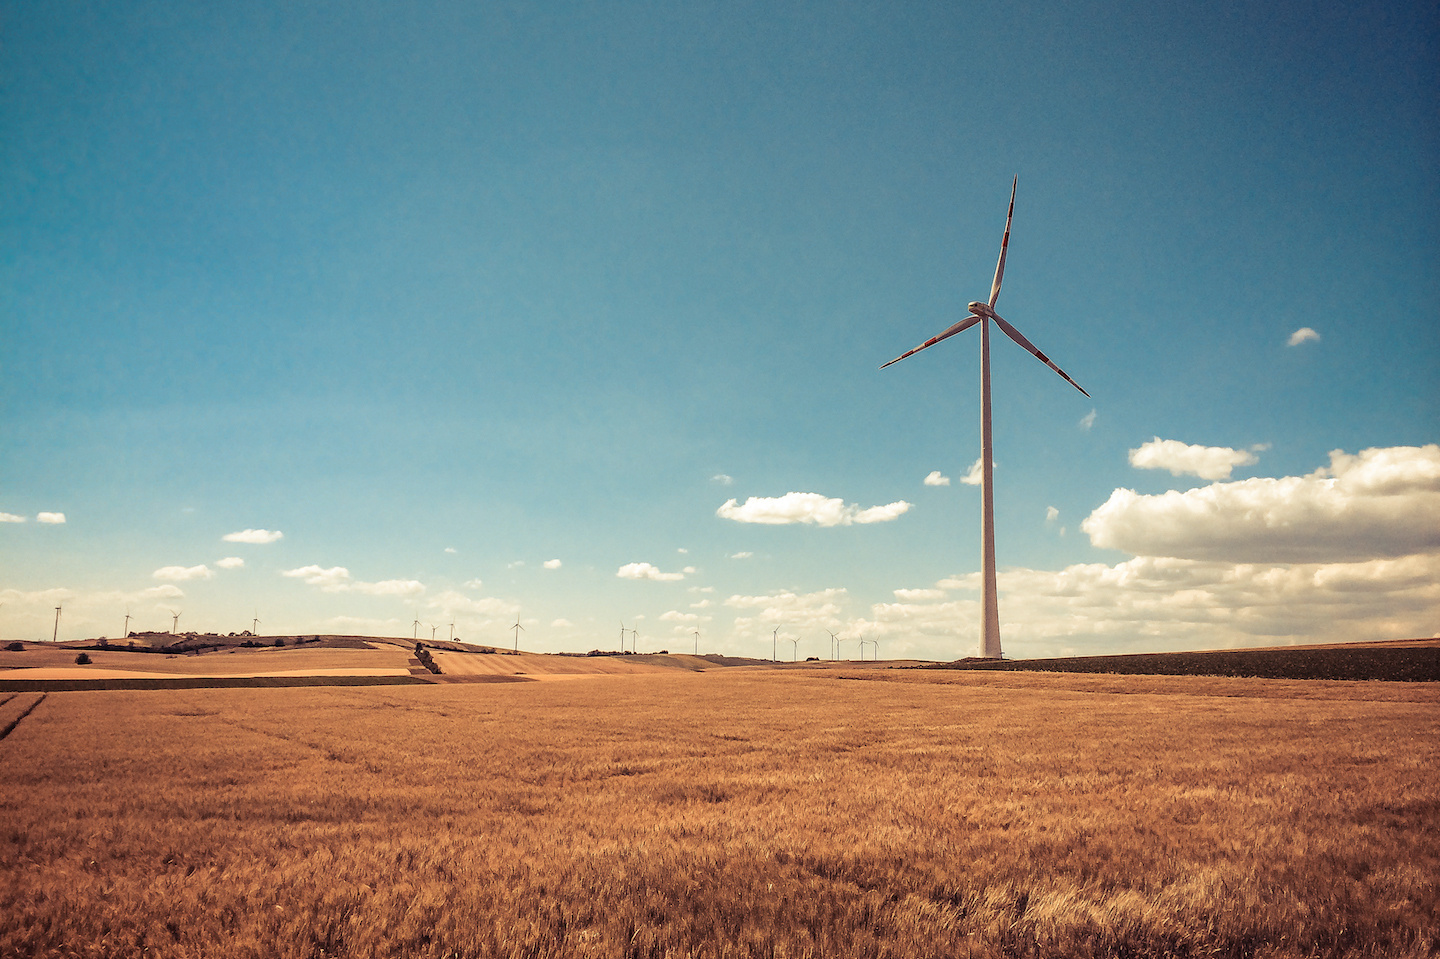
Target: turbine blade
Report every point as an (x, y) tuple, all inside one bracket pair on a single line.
[(960, 327), (1004, 245), (1015, 335)]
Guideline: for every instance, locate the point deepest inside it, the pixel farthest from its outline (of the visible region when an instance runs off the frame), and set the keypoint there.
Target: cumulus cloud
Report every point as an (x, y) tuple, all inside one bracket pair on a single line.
[(1087, 421), (552, 564), (723, 479), (451, 549), (486, 609), (255, 536), (972, 476), (703, 604), (646, 571), (473, 584), (1051, 514), (336, 579), (820, 610), (913, 595), (561, 624), (11, 518), (744, 554), (1379, 503), (1302, 335), (675, 616), (809, 508), (1181, 459), (936, 479), (53, 519), (230, 562), (179, 574)]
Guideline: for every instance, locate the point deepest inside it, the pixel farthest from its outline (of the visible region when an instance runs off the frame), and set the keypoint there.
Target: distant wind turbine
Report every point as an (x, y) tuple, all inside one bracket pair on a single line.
[(255, 624), (983, 313), (55, 636), (174, 621), (452, 629), (697, 642), (518, 630), (622, 635), (126, 631), (432, 633), (775, 645), (832, 643), (795, 650)]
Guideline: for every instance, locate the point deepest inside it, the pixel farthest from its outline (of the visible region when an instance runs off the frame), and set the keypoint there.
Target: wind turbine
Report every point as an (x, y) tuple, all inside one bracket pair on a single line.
[(622, 635), (775, 644), (255, 624), (432, 633), (55, 636), (795, 650), (518, 629), (174, 621), (416, 626), (452, 629), (832, 643), (126, 632), (983, 313), (697, 641), (635, 639)]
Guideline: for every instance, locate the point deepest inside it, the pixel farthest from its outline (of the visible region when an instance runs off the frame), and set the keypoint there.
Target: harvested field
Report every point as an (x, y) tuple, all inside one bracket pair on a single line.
[(1407, 660), (736, 812)]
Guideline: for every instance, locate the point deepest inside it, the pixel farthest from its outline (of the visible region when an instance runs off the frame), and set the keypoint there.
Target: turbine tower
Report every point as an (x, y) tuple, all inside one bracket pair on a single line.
[(697, 642), (55, 636), (983, 313), (126, 631), (174, 621), (518, 629)]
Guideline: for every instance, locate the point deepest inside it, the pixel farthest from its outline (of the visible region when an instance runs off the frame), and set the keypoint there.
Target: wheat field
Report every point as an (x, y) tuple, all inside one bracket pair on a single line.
[(730, 813)]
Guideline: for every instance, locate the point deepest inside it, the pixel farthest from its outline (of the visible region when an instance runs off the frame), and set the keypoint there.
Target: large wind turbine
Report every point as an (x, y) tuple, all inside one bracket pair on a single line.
[(983, 313)]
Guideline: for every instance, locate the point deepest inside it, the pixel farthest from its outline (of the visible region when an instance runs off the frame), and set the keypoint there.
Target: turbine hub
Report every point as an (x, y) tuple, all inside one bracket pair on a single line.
[(982, 309)]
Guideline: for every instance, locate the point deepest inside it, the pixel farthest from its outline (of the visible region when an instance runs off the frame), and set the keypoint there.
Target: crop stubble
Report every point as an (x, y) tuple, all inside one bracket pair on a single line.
[(730, 813)]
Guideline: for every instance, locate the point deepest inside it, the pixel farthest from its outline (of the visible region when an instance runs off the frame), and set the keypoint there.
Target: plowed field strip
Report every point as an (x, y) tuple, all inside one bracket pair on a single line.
[(10, 726)]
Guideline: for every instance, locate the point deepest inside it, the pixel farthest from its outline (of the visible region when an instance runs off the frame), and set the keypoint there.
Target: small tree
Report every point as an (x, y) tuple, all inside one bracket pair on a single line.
[(83, 659), (16, 647), (279, 641)]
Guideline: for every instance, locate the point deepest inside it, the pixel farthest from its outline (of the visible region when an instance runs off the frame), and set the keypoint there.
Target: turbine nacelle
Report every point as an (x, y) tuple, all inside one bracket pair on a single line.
[(982, 309)]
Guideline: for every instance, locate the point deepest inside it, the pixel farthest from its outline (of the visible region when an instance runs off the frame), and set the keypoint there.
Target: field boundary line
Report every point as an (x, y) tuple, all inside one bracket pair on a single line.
[(10, 728)]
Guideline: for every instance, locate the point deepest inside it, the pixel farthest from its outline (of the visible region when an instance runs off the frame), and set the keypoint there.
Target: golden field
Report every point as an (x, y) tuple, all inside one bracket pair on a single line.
[(822, 811)]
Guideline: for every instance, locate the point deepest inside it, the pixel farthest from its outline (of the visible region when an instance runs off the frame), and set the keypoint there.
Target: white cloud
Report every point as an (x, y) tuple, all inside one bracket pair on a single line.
[(488, 609), (387, 587), (972, 476), (818, 610), (53, 519), (336, 579), (11, 518), (179, 574), (811, 508), (646, 571), (1378, 504), (703, 604), (258, 537), (515, 565), (935, 479), (746, 554), (451, 549), (473, 584), (561, 624), (682, 550), (688, 570), (230, 562), (675, 616), (1206, 462), (332, 580), (1051, 514), (913, 595), (723, 479), (552, 564), (1087, 421), (1302, 335)]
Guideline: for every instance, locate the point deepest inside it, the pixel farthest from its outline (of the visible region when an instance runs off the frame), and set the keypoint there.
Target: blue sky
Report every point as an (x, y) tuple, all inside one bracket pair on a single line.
[(446, 292)]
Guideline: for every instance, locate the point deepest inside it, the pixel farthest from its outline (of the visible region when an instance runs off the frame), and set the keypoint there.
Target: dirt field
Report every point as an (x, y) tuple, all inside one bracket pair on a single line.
[(735, 812)]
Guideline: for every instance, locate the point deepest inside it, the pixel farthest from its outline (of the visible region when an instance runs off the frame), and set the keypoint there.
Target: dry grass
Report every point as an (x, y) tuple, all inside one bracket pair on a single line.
[(730, 813), (236, 661)]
